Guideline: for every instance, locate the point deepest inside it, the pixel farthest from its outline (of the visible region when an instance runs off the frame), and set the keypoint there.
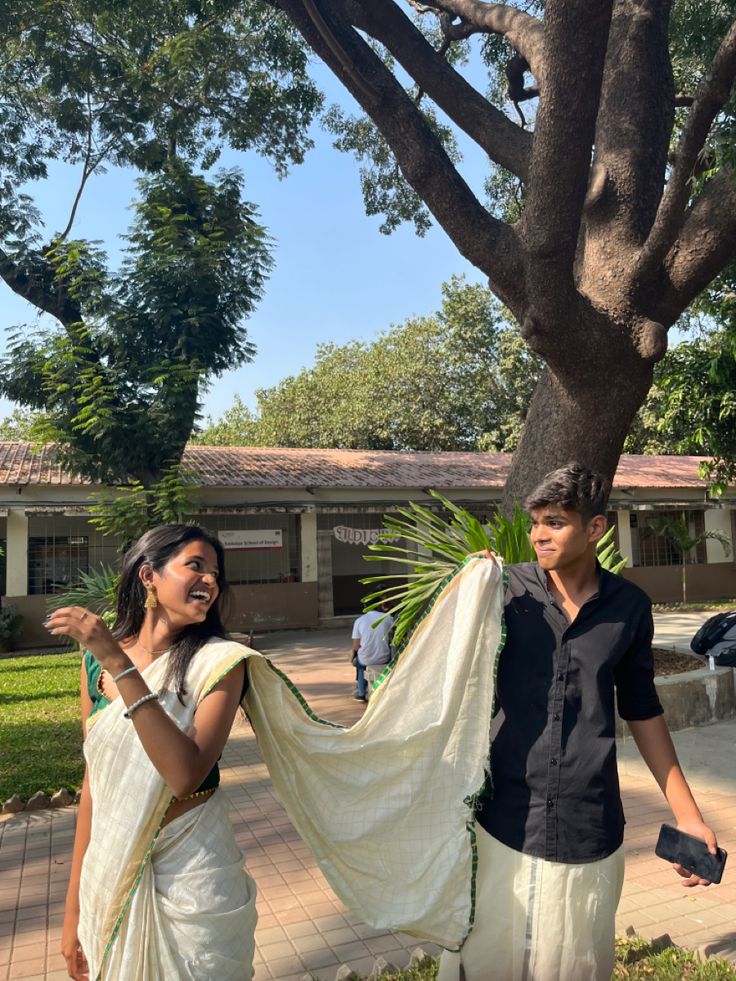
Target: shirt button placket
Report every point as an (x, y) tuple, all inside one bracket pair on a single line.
[(555, 750)]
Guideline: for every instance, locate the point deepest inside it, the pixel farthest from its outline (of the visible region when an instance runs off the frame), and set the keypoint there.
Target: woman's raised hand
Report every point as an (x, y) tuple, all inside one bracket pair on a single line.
[(90, 631)]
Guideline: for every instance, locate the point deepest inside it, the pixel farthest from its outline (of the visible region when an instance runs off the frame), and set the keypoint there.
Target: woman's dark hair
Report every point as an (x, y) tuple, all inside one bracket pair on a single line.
[(155, 548)]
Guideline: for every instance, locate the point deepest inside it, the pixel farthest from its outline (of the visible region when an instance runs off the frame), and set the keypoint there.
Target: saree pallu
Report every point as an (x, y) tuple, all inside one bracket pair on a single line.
[(386, 806)]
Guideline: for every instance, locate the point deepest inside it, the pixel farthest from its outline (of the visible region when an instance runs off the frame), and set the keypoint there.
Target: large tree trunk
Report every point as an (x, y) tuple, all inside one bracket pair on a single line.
[(614, 239), (582, 417)]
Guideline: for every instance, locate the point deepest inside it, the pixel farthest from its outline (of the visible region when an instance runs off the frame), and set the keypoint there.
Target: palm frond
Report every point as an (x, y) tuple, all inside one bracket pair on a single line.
[(608, 555), (434, 545), (95, 591)]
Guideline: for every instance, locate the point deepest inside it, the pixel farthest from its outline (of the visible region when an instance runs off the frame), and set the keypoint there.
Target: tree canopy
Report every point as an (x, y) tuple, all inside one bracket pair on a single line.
[(458, 380), (160, 87), (624, 203)]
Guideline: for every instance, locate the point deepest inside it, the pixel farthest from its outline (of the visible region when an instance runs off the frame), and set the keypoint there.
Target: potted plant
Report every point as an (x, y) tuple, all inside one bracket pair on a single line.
[(11, 624)]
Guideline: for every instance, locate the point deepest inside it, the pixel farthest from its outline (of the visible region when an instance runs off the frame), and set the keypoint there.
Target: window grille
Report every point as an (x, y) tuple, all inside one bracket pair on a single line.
[(252, 566), (60, 548), (652, 548)]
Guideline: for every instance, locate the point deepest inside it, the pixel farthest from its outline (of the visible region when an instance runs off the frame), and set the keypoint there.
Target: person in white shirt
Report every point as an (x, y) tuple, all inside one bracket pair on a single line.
[(371, 644)]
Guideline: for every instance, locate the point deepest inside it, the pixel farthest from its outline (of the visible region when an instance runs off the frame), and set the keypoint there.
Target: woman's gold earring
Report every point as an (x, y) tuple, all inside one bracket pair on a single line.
[(151, 601)]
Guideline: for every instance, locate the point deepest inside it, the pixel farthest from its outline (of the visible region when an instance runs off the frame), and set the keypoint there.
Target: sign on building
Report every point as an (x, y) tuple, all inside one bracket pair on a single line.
[(361, 536), (271, 538)]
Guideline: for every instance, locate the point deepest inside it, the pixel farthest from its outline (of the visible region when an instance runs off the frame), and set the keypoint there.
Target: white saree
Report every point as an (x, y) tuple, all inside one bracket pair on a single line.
[(161, 903), (386, 805)]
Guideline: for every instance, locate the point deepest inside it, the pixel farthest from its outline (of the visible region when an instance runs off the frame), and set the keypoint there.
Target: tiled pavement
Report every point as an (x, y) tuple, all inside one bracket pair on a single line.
[(303, 928)]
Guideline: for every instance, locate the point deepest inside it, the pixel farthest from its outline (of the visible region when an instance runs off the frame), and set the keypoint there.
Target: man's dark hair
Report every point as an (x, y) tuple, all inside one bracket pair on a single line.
[(574, 488)]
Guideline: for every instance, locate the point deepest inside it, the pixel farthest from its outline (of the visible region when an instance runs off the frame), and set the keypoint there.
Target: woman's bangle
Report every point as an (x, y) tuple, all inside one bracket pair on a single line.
[(141, 701), (122, 674)]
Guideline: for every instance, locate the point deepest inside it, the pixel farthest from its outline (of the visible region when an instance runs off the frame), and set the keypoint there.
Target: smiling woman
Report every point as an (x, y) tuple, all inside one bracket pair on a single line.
[(159, 695)]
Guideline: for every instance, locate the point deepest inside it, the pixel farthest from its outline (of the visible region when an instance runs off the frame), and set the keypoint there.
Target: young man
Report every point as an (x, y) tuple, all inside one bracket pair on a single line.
[(372, 646), (550, 830)]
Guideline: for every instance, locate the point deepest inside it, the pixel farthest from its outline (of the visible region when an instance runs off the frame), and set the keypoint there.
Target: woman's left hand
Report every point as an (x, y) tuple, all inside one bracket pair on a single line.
[(89, 630)]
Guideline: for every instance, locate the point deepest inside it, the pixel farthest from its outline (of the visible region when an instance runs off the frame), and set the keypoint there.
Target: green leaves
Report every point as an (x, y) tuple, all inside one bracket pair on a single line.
[(608, 555), (119, 385), (459, 379), (432, 545), (162, 86), (698, 381), (96, 590), (385, 190), (134, 508)]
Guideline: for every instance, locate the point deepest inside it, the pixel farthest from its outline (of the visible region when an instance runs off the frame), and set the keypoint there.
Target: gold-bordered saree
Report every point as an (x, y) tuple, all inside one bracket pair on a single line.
[(386, 805)]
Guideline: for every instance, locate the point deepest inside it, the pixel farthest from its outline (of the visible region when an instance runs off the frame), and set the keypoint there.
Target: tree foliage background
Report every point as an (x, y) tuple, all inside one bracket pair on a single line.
[(161, 87), (460, 379), (610, 204), (608, 211)]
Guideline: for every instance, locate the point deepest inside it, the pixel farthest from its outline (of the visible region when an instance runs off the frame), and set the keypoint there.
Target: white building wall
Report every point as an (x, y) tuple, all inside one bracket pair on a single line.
[(308, 543), (624, 537), (16, 557), (718, 519)]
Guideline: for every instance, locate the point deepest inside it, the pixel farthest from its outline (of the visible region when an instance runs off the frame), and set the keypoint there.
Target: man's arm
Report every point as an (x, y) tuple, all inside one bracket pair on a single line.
[(654, 742)]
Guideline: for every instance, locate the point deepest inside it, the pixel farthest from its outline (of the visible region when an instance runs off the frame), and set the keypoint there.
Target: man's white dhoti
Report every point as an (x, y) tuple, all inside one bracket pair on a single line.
[(538, 920)]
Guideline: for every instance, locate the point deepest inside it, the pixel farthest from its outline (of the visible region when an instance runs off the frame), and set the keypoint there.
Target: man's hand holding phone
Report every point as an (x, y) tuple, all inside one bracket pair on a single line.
[(699, 862)]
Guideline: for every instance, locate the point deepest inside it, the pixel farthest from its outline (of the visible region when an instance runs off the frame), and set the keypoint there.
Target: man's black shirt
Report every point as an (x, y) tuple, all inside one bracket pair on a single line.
[(555, 791)]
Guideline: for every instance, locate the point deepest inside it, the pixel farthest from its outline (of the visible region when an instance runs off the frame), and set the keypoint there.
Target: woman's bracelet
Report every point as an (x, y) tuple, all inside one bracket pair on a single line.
[(151, 696), (122, 674)]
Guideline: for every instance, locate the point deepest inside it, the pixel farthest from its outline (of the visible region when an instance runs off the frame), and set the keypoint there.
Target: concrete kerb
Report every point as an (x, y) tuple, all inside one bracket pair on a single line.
[(698, 697)]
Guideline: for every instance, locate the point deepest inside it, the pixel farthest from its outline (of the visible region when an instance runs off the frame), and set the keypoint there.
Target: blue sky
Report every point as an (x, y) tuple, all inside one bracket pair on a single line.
[(336, 277)]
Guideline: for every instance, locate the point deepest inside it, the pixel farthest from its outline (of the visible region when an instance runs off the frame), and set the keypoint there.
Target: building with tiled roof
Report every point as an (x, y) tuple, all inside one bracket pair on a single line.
[(295, 522), (287, 468)]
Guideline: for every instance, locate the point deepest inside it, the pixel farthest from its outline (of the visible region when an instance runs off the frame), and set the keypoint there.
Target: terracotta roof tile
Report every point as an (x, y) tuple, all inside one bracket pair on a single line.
[(285, 468), (26, 463), (659, 471), (245, 466)]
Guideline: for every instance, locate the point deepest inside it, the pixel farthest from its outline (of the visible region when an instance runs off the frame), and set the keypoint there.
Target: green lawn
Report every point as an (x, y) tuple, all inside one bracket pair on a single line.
[(636, 960), (40, 724), (708, 606)]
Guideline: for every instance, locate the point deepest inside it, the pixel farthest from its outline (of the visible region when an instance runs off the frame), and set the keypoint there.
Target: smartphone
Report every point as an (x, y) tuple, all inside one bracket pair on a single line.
[(690, 852)]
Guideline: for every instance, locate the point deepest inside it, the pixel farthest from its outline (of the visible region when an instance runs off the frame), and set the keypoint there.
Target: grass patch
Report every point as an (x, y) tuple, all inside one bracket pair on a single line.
[(40, 725), (714, 606), (636, 959)]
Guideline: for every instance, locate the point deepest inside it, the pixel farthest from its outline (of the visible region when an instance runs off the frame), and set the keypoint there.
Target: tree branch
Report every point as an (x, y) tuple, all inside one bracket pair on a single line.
[(705, 246), (523, 32), (338, 53), (485, 241), (36, 285), (504, 142), (635, 120), (713, 93), (87, 169), (563, 140)]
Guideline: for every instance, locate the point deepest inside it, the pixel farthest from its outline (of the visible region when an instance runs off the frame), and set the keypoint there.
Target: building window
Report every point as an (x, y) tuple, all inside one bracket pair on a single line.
[(652, 548), (248, 563), (61, 547)]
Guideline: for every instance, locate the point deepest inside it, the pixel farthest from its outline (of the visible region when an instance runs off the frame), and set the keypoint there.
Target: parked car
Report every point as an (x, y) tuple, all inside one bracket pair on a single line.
[(717, 639)]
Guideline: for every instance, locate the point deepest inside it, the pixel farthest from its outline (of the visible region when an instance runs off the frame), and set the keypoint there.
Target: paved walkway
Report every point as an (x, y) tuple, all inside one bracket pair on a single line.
[(303, 928), (677, 629)]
